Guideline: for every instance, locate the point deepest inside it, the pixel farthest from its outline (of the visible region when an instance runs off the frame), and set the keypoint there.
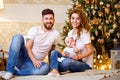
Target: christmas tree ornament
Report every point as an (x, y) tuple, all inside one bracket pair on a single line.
[(108, 5), (92, 38), (107, 10), (96, 33), (92, 1), (101, 3), (101, 41), (98, 40), (118, 13), (116, 6), (107, 21), (87, 2), (118, 35), (114, 18), (108, 34), (111, 30), (92, 7), (65, 30), (100, 27), (115, 41), (100, 14), (110, 18), (96, 7), (114, 26), (93, 12)]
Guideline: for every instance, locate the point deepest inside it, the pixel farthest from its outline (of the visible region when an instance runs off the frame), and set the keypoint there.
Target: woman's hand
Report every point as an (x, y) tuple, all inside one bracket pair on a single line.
[(65, 54), (75, 57)]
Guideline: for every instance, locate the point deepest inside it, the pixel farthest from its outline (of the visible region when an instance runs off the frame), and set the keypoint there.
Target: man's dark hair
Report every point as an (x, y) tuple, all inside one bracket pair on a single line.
[(47, 11)]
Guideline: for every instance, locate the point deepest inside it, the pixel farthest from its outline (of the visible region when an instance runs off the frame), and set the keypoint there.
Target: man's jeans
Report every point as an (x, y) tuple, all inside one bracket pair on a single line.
[(18, 61), (66, 64)]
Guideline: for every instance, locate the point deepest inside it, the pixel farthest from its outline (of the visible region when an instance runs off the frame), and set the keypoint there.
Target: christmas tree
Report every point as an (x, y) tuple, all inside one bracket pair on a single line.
[(104, 16)]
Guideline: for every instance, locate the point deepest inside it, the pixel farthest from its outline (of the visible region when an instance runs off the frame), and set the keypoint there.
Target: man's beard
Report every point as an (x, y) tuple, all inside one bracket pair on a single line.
[(48, 27)]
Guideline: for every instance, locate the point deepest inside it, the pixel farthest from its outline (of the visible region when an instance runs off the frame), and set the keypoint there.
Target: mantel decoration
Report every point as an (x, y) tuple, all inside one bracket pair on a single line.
[(3, 59), (104, 16)]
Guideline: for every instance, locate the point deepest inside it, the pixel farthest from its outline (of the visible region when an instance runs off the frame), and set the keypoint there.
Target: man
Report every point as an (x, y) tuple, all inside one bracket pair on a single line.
[(28, 60)]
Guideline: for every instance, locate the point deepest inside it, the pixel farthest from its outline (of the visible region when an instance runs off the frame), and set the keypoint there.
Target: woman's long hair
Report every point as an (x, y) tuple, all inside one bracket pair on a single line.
[(84, 20)]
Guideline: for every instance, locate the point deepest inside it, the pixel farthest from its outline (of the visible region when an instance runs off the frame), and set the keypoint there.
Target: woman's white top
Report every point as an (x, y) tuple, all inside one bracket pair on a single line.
[(81, 42)]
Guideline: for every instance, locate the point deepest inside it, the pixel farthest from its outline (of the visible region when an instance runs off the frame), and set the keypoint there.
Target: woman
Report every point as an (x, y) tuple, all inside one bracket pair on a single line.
[(80, 33)]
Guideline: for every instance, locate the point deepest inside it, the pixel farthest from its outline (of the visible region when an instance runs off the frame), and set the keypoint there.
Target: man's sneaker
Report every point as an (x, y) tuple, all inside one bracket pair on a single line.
[(2, 73), (7, 76)]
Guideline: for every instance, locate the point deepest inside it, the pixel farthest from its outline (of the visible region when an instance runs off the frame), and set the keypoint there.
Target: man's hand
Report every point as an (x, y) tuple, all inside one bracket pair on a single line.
[(37, 63)]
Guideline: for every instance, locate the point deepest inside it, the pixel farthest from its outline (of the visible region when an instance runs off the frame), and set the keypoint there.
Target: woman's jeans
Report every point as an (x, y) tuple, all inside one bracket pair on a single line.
[(67, 64), (18, 61)]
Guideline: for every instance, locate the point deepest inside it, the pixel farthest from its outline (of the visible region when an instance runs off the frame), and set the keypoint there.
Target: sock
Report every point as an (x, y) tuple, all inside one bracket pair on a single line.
[(61, 59)]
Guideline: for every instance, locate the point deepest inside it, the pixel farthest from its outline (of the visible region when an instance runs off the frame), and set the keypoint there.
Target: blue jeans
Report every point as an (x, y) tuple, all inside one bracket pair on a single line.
[(18, 57), (67, 64)]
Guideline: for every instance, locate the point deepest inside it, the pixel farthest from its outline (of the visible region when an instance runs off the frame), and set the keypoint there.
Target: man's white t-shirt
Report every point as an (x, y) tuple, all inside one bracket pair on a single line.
[(80, 43), (43, 41)]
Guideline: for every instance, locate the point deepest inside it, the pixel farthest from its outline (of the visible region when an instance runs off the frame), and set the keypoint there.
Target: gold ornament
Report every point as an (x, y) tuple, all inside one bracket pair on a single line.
[(108, 5), (67, 21), (107, 10), (107, 21), (114, 40), (97, 21), (100, 14), (101, 3), (118, 13), (78, 6), (96, 7), (92, 7), (93, 12), (87, 2), (100, 27), (92, 1), (114, 26), (96, 33), (101, 41), (107, 34), (111, 30), (92, 38), (116, 6), (77, 3), (114, 17), (98, 40), (65, 30)]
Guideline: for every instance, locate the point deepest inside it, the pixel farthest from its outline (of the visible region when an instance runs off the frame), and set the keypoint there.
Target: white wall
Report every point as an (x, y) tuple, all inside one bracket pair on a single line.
[(31, 12)]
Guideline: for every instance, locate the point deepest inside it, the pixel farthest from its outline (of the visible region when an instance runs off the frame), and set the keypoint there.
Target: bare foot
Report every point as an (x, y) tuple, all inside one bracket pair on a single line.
[(54, 72)]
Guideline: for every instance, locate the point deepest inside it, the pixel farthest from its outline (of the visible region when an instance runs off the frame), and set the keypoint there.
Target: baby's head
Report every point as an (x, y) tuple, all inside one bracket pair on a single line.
[(69, 41)]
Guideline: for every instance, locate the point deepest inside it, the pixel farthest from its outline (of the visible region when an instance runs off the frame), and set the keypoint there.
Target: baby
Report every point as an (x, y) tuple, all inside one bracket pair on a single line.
[(70, 49)]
